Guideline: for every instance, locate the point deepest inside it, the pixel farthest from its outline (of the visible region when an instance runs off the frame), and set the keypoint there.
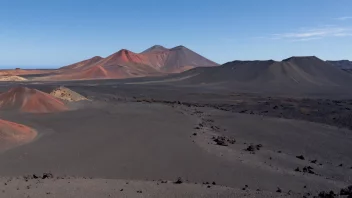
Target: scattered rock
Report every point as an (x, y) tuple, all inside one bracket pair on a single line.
[(308, 169), (346, 191), (47, 176), (279, 190), (297, 169), (252, 148), (178, 181), (139, 191), (220, 141), (231, 141), (214, 127), (245, 187), (313, 161), (300, 157), (66, 94), (34, 176), (323, 194)]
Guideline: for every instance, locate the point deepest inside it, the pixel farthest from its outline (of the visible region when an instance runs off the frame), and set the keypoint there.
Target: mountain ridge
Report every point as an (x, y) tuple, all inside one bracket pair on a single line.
[(156, 60), (300, 74)]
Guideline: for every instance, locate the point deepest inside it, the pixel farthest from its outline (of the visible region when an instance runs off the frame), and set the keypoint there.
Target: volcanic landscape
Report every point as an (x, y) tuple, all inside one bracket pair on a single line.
[(172, 123)]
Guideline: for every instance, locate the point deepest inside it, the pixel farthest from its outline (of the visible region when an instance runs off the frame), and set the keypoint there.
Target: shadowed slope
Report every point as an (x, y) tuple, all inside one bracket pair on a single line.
[(30, 100), (155, 49), (342, 64), (294, 71), (302, 74), (181, 58), (345, 65), (13, 134)]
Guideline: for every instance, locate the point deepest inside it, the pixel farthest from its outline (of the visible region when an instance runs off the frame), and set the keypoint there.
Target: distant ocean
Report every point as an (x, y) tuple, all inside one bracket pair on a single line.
[(29, 67)]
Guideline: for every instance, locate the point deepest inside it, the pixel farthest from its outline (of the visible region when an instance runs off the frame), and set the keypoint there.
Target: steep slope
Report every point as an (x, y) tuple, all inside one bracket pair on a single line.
[(83, 63), (13, 134), (316, 71), (155, 49), (30, 100), (181, 58), (154, 61), (143, 63), (293, 74)]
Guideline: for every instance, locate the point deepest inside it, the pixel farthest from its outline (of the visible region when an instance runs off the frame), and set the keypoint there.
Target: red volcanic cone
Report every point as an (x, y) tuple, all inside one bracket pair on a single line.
[(30, 100)]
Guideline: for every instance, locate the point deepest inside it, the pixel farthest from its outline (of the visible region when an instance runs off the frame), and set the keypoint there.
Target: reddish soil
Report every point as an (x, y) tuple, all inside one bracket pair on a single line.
[(12, 134), (154, 61), (30, 100)]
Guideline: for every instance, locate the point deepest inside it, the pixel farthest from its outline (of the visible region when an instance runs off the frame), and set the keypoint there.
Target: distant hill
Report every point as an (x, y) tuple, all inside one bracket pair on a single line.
[(154, 61), (155, 49), (345, 65), (84, 63), (306, 74)]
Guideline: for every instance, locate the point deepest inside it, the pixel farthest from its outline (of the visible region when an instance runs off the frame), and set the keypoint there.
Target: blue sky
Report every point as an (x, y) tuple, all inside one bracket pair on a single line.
[(43, 33)]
